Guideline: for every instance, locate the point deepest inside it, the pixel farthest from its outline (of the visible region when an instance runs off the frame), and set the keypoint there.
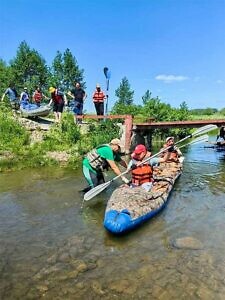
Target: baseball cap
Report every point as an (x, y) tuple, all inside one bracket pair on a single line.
[(51, 89), (139, 149), (116, 142), (169, 138)]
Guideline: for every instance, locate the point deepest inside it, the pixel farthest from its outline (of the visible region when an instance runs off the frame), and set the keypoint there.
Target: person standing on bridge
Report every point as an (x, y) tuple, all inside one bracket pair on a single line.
[(101, 159), (98, 99)]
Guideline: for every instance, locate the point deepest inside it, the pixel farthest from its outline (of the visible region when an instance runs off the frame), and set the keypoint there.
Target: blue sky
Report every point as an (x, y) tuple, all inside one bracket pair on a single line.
[(174, 48)]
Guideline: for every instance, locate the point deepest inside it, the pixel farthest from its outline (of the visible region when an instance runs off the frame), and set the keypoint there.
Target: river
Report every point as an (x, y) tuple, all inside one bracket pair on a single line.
[(53, 248)]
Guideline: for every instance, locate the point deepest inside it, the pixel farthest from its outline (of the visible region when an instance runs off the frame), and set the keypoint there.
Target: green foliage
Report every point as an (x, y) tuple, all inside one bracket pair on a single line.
[(98, 134), (62, 136), (124, 93), (12, 135), (5, 76), (28, 68), (121, 109), (204, 111), (65, 71)]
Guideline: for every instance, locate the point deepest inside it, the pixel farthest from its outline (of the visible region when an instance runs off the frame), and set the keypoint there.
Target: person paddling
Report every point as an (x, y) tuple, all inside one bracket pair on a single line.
[(175, 152), (220, 139), (142, 172)]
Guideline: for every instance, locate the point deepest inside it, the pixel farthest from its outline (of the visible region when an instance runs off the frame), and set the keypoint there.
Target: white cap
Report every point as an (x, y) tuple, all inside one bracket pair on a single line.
[(169, 138)]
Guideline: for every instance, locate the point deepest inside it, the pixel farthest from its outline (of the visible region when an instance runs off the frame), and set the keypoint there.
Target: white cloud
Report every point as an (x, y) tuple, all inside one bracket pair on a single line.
[(219, 81), (171, 78)]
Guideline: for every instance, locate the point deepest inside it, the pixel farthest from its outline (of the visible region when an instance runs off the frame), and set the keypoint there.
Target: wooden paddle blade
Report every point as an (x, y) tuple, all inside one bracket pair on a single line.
[(204, 129), (96, 190)]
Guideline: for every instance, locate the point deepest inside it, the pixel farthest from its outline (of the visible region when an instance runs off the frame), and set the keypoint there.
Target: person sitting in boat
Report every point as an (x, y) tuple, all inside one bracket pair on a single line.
[(174, 152), (220, 140), (141, 171), (100, 159), (38, 96)]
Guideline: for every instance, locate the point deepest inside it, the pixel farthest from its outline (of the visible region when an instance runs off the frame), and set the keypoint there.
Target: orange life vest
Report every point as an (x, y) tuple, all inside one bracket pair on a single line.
[(142, 174), (98, 96)]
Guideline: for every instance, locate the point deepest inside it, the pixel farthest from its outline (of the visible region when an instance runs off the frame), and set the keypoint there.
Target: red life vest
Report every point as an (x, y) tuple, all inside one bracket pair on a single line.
[(37, 96), (142, 174), (57, 97), (98, 96)]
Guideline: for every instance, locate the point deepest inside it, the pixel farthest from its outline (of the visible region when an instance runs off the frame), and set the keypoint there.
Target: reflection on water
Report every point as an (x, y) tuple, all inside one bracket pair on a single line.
[(52, 248)]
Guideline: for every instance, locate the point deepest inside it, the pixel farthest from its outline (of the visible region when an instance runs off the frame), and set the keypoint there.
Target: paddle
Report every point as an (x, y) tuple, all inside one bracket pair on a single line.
[(99, 188), (200, 139), (107, 76)]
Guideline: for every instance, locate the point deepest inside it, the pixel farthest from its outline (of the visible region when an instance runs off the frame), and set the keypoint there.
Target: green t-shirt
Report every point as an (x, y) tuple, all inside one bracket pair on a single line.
[(105, 151)]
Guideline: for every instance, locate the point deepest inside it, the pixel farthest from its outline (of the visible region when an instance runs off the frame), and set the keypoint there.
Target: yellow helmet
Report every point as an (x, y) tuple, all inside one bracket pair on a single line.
[(51, 89)]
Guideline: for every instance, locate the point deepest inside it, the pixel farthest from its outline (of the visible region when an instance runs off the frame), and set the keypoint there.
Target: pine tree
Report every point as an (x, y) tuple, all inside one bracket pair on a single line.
[(65, 70), (124, 93), (147, 96)]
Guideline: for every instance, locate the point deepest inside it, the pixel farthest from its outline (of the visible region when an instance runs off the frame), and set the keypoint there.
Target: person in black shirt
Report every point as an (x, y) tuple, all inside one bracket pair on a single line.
[(78, 95)]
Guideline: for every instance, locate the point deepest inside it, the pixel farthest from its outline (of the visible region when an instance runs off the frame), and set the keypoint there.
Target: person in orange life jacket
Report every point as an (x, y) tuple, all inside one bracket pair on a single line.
[(98, 99), (174, 151), (78, 95), (142, 174), (38, 96), (59, 100)]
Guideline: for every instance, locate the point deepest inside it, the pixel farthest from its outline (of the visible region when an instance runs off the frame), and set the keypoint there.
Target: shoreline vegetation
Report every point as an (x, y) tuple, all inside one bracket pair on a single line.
[(23, 144)]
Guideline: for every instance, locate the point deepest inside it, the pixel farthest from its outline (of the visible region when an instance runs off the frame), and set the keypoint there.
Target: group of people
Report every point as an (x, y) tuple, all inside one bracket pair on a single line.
[(140, 166), (58, 99), (23, 98)]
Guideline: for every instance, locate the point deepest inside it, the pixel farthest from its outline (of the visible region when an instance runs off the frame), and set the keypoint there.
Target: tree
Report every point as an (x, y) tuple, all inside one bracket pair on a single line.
[(124, 93), (65, 70), (29, 68), (147, 96), (5, 76)]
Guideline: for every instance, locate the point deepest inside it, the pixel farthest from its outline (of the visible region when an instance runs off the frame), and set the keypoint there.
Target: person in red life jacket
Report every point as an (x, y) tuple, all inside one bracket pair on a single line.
[(59, 100), (38, 96), (174, 151), (98, 99), (142, 173)]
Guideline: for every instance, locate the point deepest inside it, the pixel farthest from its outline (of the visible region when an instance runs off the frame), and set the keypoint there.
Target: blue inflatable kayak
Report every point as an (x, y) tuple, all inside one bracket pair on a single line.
[(128, 207), (32, 110)]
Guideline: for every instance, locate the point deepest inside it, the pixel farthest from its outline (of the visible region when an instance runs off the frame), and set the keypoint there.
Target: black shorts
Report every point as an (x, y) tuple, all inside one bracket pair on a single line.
[(58, 107)]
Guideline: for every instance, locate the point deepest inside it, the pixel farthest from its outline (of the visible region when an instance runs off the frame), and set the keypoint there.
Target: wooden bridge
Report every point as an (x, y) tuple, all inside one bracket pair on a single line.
[(147, 127)]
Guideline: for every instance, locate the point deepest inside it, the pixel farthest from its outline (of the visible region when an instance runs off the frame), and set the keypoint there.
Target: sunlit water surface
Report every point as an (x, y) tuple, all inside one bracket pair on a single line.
[(53, 248)]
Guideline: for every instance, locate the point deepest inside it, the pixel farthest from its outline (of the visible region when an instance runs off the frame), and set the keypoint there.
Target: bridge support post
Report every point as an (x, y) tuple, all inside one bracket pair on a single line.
[(128, 132)]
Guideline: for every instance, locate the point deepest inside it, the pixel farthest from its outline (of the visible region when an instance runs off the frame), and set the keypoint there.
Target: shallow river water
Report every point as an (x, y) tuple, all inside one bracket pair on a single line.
[(53, 248)]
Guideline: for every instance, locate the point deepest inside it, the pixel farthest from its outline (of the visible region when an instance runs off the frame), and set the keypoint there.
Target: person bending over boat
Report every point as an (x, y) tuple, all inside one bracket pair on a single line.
[(142, 173), (174, 152), (100, 159), (220, 139)]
